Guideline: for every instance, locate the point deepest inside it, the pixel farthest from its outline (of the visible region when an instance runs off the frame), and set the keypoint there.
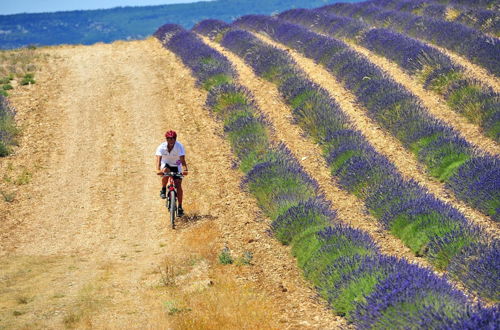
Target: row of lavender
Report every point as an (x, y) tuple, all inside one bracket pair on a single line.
[(425, 224), (343, 262), (488, 21), (479, 104), (486, 4), (8, 128), (474, 178), (477, 47)]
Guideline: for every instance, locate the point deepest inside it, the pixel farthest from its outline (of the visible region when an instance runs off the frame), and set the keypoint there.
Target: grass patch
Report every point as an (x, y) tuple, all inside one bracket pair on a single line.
[(6, 80), (445, 253), (226, 304), (441, 82), (18, 62), (24, 178), (204, 294), (8, 197), (225, 257), (414, 311), (202, 242), (27, 286), (493, 131), (341, 159), (167, 273), (417, 146), (354, 293), (305, 244), (28, 79), (468, 101), (172, 309), (245, 259), (18, 313), (424, 73), (216, 80), (300, 99), (417, 231), (448, 165), (88, 301), (327, 254), (296, 220), (230, 99)]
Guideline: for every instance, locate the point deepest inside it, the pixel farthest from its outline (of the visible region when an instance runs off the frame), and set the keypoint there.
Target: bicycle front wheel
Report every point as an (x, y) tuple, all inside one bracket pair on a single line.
[(173, 208)]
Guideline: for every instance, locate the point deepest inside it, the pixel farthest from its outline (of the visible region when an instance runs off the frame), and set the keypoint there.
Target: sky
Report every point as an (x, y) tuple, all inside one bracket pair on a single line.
[(8, 7)]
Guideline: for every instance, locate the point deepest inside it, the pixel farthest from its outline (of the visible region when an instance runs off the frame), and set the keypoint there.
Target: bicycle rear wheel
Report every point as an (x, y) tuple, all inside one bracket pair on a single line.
[(173, 208)]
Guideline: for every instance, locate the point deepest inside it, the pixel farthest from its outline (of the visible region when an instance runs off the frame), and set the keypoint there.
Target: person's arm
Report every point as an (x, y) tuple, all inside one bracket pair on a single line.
[(158, 165), (184, 165)]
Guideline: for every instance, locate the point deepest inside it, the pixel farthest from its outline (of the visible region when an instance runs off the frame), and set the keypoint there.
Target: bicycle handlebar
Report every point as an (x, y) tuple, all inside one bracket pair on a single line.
[(174, 174)]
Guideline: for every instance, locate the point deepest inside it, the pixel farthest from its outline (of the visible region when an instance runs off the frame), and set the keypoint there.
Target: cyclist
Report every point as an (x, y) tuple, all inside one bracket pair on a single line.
[(171, 157)]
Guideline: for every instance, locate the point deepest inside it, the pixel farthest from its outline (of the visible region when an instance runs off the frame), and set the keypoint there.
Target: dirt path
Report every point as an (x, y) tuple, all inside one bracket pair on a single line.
[(83, 244)]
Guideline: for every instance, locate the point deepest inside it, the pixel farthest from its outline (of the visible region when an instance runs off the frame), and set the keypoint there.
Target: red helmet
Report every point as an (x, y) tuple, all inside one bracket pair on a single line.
[(171, 134)]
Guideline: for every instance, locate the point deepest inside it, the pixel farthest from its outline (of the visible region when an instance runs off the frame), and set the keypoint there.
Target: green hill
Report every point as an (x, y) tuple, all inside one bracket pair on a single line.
[(125, 23)]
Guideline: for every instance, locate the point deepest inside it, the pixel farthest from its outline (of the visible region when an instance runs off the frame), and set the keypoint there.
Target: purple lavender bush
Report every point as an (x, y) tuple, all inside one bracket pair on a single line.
[(489, 4), (422, 219), (210, 67), (212, 28), (478, 180), (478, 266), (314, 212), (167, 31), (234, 106), (409, 297), (479, 104), (280, 183), (347, 281), (8, 129), (477, 47), (435, 144), (272, 65), (485, 20), (328, 245), (244, 127), (474, 317)]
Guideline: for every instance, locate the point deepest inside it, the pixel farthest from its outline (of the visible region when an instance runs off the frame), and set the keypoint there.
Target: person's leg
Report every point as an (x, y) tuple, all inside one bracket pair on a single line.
[(163, 191), (178, 184)]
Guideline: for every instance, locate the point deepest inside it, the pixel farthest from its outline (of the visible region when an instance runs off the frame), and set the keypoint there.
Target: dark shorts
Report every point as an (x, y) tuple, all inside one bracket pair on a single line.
[(172, 169)]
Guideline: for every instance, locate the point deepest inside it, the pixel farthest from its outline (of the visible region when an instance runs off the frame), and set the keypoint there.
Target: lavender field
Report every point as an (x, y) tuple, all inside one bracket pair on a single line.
[(446, 217)]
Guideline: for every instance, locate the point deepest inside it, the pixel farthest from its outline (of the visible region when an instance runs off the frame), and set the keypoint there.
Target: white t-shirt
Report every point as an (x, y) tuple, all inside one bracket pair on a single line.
[(172, 158)]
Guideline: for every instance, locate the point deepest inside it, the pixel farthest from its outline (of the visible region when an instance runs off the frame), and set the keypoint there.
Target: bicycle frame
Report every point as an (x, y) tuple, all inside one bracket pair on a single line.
[(172, 195)]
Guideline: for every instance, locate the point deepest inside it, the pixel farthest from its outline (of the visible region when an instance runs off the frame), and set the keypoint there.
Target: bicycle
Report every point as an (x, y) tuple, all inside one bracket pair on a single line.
[(172, 195)]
